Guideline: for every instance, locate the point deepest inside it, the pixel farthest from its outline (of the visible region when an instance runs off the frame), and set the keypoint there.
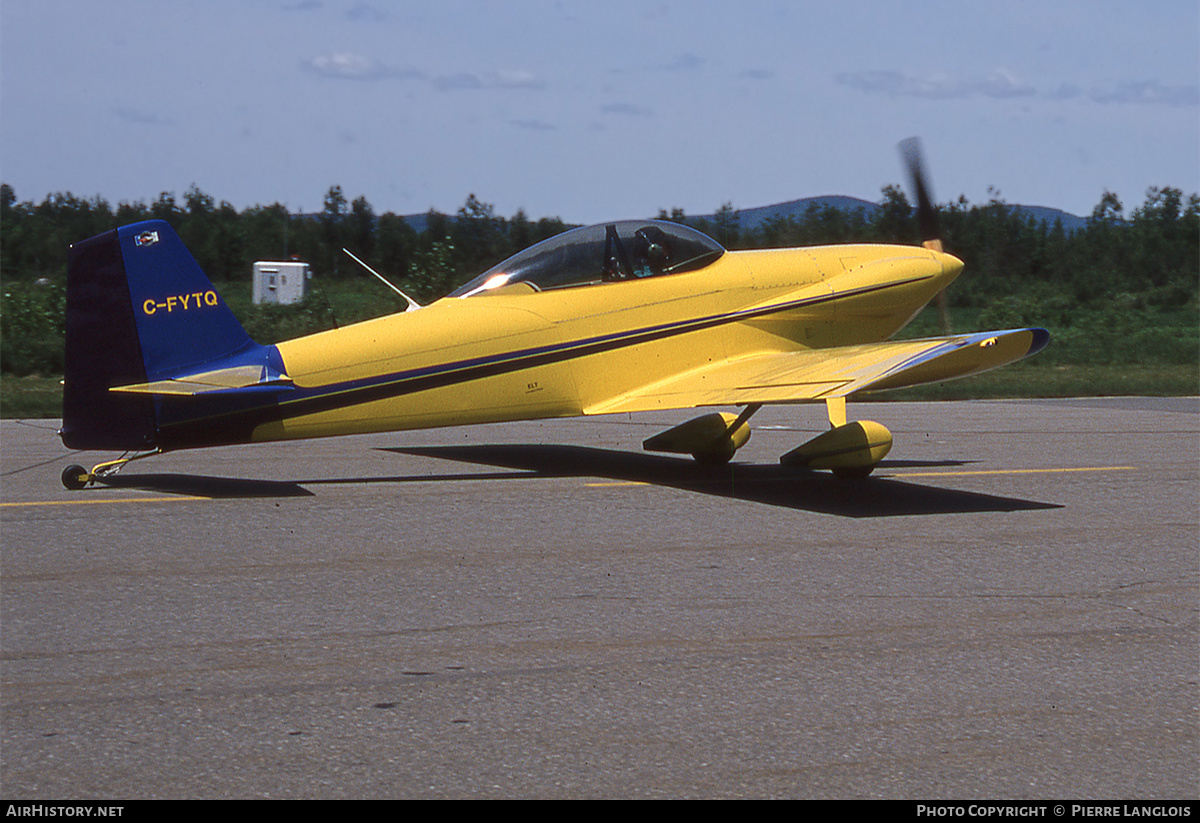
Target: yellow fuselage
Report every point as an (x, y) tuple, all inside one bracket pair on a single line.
[(517, 353)]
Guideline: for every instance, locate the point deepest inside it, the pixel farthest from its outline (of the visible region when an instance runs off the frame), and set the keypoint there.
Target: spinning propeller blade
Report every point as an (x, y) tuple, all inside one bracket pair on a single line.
[(927, 218)]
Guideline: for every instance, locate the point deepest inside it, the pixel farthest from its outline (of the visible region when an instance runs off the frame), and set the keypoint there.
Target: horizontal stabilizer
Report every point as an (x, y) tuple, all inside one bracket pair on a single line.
[(236, 378)]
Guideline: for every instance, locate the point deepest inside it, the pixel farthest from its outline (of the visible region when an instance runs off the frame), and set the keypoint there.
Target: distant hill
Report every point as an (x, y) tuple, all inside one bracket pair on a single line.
[(1045, 214), (796, 209)]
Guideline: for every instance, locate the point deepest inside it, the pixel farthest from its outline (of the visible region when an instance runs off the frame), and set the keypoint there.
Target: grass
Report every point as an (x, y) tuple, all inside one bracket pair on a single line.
[(30, 396), (330, 304)]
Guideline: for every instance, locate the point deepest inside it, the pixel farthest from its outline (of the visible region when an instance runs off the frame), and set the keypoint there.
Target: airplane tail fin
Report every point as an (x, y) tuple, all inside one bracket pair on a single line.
[(139, 312)]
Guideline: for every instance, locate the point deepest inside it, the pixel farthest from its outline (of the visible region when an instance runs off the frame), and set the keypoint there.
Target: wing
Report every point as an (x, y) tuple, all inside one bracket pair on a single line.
[(818, 374)]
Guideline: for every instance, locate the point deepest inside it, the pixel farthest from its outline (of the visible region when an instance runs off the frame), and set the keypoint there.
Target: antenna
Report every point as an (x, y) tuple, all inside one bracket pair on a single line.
[(412, 304)]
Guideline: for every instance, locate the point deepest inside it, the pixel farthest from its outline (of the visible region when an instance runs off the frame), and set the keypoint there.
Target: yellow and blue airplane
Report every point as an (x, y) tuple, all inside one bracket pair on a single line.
[(631, 316)]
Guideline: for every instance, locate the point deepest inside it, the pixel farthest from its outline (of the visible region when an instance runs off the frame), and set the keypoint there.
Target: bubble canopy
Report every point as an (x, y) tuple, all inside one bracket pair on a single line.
[(628, 250)]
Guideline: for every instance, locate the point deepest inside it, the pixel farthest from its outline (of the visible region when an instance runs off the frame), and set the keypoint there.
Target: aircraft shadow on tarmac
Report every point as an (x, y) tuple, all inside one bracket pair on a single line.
[(205, 486), (770, 484)]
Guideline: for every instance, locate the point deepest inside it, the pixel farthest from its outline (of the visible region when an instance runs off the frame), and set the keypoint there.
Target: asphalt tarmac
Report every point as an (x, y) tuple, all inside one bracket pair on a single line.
[(1006, 609)]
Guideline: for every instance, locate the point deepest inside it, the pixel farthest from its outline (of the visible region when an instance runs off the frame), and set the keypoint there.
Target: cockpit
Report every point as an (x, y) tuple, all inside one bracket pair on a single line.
[(611, 252)]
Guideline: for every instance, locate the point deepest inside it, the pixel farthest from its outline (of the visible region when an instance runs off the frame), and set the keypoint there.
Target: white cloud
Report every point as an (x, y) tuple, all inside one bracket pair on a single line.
[(534, 125), (142, 118), (627, 109), (1149, 93), (685, 62), (366, 13), (347, 66), (351, 66), (516, 79), (503, 79), (1001, 83), (1004, 84)]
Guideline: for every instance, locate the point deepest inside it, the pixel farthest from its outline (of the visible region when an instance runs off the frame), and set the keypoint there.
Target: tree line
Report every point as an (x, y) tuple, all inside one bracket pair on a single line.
[(34, 238), (1150, 254), (1019, 270)]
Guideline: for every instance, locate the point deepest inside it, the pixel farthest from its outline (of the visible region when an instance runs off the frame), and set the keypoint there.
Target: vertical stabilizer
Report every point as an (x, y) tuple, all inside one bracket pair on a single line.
[(181, 320), (139, 309)]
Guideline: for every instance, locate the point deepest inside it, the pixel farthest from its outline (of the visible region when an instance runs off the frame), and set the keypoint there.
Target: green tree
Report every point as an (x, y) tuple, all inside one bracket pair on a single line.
[(395, 244), (10, 230), (1109, 209), (433, 273), (165, 208), (477, 236), (333, 219), (267, 231), (521, 233), (726, 228), (894, 221), (360, 229)]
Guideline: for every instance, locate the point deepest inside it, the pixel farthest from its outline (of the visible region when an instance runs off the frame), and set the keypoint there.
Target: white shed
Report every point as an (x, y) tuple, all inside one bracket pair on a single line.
[(280, 282)]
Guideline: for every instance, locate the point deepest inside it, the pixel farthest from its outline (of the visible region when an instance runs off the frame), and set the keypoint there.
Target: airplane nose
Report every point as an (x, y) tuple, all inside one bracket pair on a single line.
[(951, 267)]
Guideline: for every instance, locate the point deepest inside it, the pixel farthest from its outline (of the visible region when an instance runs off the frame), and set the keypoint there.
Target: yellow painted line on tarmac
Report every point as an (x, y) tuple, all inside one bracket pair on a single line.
[(105, 502), (901, 473), (1015, 471)]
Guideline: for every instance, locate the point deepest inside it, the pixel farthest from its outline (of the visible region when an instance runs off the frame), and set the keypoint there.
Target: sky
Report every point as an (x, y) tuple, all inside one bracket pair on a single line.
[(592, 111)]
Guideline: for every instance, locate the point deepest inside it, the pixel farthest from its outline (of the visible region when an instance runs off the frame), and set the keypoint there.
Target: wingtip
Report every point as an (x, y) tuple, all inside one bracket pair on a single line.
[(1040, 338)]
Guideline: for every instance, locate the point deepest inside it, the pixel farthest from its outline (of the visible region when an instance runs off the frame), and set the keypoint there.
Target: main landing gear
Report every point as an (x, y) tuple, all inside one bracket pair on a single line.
[(711, 439), (849, 450), (77, 477)]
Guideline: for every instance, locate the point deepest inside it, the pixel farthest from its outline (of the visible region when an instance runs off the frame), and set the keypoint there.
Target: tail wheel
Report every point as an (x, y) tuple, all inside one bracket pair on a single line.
[(75, 477)]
